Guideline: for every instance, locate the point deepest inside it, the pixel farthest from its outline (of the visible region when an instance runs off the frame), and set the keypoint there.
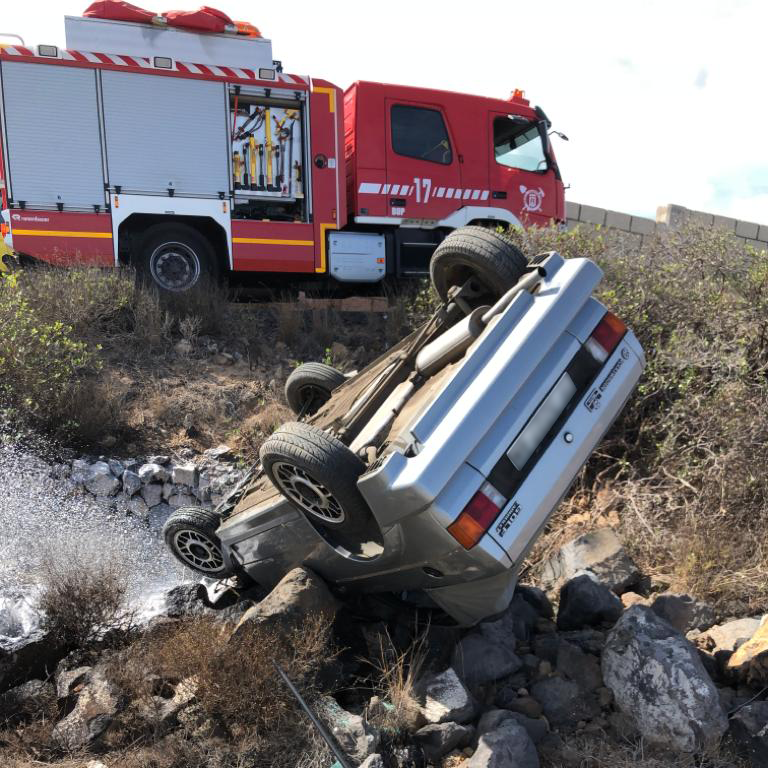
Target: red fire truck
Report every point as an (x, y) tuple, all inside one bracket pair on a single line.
[(176, 143)]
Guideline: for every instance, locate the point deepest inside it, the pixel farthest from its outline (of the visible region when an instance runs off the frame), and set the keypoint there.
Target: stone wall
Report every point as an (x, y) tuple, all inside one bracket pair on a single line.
[(750, 232)]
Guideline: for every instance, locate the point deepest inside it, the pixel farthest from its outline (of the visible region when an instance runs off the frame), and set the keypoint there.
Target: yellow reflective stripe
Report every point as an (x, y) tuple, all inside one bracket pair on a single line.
[(57, 233), (323, 229), (331, 96), (265, 241)]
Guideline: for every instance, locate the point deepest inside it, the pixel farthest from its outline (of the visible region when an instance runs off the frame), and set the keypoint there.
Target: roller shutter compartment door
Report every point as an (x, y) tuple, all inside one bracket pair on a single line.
[(52, 127), (165, 132)]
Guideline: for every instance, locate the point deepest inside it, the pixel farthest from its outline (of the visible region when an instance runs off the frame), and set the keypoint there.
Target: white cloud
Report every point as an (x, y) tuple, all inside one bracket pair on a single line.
[(623, 80)]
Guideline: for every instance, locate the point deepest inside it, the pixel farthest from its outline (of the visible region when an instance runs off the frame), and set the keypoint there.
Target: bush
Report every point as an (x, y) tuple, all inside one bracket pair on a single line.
[(40, 357), (83, 600), (237, 687), (684, 465), (70, 334)]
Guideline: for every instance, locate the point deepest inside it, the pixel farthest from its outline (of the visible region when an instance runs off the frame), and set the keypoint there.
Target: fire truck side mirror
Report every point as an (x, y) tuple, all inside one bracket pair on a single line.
[(321, 161)]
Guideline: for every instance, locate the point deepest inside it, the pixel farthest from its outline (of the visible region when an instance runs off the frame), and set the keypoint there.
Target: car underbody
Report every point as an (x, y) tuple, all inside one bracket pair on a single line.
[(439, 423)]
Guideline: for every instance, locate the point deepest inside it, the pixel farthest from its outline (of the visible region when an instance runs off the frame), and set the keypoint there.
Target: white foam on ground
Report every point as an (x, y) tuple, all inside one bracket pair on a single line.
[(42, 517)]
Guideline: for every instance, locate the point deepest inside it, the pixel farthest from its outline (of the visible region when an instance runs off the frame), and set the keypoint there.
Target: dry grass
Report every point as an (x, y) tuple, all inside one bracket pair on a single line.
[(270, 414), (82, 600), (683, 469), (602, 752), (289, 322), (26, 738), (397, 673), (301, 748), (235, 681), (88, 356)]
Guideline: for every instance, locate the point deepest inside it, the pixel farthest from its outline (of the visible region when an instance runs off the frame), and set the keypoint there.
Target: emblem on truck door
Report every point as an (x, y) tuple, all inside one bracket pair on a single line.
[(532, 198)]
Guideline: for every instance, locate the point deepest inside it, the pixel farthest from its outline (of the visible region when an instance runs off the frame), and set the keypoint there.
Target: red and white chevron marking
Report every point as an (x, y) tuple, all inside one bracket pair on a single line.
[(404, 190), (138, 62)]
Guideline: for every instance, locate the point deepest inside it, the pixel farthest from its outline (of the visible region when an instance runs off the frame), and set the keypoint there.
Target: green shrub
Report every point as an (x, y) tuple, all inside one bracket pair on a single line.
[(40, 358)]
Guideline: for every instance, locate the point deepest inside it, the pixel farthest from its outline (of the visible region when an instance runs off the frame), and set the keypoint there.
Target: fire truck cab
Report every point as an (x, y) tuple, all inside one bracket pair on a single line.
[(184, 150)]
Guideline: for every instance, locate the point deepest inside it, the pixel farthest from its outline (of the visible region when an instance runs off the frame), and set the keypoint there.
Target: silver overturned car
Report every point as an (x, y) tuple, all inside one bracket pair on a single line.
[(435, 468)]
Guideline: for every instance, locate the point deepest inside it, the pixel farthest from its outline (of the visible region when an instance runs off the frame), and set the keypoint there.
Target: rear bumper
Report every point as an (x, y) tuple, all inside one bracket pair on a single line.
[(524, 515)]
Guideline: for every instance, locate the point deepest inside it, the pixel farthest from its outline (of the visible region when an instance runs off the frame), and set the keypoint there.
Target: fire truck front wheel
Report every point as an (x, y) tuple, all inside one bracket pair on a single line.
[(175, 258)]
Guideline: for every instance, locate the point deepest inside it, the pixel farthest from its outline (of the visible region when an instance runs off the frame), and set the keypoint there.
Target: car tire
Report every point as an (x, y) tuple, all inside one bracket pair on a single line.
[(175, 259), (190, 533), (310, 385), (490, 258), (318, 474)]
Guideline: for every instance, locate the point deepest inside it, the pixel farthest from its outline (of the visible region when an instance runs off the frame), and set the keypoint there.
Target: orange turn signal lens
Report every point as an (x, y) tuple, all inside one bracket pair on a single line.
[(477, 517)]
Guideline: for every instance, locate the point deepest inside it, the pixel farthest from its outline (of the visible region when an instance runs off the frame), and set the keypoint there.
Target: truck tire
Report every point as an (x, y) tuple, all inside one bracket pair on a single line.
[(309, 387), (493, 262), (175, 258), (318, 474), (190, 533)]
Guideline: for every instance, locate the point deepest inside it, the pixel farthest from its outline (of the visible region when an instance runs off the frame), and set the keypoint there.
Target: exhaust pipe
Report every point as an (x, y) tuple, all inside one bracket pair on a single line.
[(526, 283), (451, 345)]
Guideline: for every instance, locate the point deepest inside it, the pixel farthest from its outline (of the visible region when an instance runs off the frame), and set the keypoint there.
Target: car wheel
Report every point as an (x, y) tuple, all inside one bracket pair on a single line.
[(318, 474), (488, 258), (310, 385), (175, 258), (190, 533)]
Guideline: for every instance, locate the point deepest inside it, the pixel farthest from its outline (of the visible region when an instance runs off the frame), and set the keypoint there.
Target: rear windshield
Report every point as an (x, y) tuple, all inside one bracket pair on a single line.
[(518, 145)]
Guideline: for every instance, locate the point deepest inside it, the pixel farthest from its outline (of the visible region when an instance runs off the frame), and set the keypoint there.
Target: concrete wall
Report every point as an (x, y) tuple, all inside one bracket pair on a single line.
[(666, 216)]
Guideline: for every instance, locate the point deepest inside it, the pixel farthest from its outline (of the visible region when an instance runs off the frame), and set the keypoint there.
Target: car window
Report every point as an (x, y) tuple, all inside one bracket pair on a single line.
[(420, 132), (518, 146)]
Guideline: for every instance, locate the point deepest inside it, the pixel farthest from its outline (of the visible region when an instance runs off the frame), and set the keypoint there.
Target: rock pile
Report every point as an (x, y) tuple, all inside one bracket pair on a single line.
[(511, 691), (151, 489)]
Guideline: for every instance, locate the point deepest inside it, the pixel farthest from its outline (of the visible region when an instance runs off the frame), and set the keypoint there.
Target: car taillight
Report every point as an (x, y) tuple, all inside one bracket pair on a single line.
[(606, 336), (477, 517)]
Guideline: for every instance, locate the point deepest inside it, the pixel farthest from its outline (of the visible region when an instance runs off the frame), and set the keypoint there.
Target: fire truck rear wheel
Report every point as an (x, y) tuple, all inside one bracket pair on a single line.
[(176, 258), (491, 260)]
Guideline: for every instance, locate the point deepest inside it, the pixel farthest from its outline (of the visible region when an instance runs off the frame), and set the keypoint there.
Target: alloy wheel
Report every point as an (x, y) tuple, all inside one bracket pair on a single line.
[(198, 551), (311, 495)]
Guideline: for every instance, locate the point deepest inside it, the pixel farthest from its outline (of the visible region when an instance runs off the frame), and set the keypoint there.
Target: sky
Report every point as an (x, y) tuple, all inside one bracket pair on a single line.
[(662, 102)]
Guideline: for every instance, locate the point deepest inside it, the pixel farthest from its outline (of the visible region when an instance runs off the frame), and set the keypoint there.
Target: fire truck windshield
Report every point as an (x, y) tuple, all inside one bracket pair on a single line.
[(518, 144)]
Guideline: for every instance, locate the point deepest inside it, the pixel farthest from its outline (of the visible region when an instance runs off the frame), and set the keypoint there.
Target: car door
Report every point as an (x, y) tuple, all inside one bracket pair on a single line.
[(423, 176), (521, 177)]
